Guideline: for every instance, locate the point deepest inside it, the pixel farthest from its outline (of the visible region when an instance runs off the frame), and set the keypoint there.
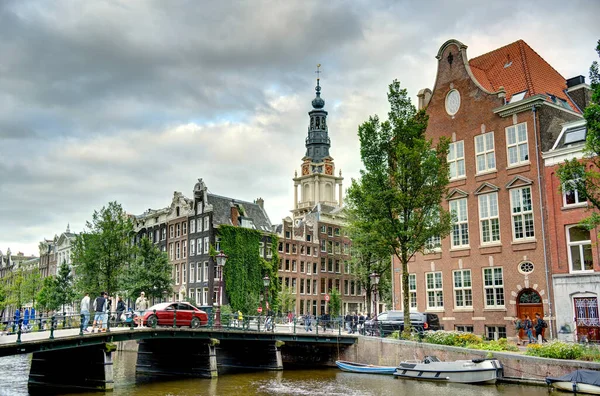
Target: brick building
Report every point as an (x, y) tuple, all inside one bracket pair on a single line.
[(314, 252), (500, 110)]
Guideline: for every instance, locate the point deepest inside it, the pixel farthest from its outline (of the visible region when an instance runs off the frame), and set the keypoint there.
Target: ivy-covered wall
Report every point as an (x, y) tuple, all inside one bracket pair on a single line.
[(245, 269)]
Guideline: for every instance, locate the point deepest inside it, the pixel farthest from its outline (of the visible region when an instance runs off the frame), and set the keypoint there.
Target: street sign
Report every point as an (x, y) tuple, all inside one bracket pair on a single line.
[(327, 297), (259, 309)]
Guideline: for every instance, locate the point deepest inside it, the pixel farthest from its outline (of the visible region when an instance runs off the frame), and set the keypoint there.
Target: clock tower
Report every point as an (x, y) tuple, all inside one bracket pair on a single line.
[(317, 182)]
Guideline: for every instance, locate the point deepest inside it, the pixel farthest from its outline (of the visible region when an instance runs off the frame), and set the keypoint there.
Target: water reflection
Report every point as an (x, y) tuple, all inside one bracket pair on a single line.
[(14, 371)]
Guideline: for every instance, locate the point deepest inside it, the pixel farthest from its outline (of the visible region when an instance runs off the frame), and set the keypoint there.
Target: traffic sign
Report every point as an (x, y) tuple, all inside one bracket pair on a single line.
[(259, 309), (327, 297)]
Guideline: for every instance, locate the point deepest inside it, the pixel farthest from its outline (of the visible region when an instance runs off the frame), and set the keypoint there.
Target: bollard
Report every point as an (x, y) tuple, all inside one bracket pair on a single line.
[(19, 331), (14, 326), (40, 328), (174, 318), (107, 322), (64, 320), (317, 327), (52, 327), (81, 324), (339, 328), (155, 321), (294, 325)]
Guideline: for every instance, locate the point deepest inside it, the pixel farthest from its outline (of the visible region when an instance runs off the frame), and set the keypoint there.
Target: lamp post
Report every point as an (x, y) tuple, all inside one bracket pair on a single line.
[(221, 260), (266, 283), (374, 282)]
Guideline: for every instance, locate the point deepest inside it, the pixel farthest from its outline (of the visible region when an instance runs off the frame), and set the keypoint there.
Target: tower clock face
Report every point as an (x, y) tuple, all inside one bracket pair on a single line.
[(452, 102)]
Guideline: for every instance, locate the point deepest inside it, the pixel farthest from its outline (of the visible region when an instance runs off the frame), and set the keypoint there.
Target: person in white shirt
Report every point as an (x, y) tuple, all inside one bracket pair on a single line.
[(141, 305), (85, 311)]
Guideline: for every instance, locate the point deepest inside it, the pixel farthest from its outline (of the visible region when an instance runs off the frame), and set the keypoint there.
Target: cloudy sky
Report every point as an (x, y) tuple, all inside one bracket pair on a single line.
[(131, 100)]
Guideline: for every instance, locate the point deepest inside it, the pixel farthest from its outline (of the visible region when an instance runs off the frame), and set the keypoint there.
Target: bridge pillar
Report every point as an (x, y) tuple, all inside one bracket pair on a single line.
[(177, 357), (250, 354), (88, 368)]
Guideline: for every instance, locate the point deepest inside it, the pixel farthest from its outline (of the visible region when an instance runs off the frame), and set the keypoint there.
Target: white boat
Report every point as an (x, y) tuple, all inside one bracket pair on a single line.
[(473, 371), (578, 381)]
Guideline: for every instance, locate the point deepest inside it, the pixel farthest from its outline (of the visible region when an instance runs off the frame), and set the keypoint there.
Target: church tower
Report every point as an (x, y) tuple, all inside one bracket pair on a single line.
[(317, 182)]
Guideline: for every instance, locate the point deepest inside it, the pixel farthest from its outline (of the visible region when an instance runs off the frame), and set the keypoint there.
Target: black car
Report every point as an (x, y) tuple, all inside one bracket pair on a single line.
[(390, 321)]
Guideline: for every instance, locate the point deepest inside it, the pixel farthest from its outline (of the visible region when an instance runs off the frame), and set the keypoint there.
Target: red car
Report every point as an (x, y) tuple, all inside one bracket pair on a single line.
[(187, 315)]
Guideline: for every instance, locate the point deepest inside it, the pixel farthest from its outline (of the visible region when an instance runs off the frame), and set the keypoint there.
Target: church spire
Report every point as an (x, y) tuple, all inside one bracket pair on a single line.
[(317, 142)]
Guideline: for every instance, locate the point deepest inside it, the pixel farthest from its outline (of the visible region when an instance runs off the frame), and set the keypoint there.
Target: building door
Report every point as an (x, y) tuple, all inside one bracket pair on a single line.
[(529, 303), (586, 318)]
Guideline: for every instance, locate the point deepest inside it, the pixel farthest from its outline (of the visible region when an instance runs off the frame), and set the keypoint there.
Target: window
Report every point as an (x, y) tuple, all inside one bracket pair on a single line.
[(308, 286), (329, 247), (177, 251), (206, 248), (308, 268), (294, 268), (192, 294), (518, 96), (287, 235), (280, 247), (192, 247), (322, 285), (464, 328), (184, 249), (192, 226), (308, 238), (329, 231), (287, 248), (177, 274), (199, 225), (337, 249), (178, 230), (323, 245), (522, 213), (199, 208), (315, 272), (206, 223), (199, 296), (516, 144), (294, 249), (463, 295), (586, 311), (301, 286), (216, 295), (294, 285), (352, 288), (287, 264), (205, 296), (184, 273), (150, 236), (337, 266), (192, 272), (184, 227), (485, 157), (330, 265), (460, 228), (412, 290), (171, 251), (164, 234), (199, 246), (572, 195), (493, 285), (456, 159), (315, 292), (323, 228), (205, 270), (269, 250), (488, 218), (171, 231), (218, 244), (433, 244), (302, 267), (579, 249), (435, 295), (156, 236), (198, 272), (337, 232), (346, 289), (495, 332), (261, 249)]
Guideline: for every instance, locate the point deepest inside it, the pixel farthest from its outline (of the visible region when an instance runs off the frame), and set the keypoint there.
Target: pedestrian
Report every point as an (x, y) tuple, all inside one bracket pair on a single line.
[(307, 322), (348, 322), (85, 311), (518, 326), (141, 305), (528, 326), (240, 318), (32, 316), (26, 320), (361, 322), (289, 316), (120, 310), (540, 325), (99, 311)]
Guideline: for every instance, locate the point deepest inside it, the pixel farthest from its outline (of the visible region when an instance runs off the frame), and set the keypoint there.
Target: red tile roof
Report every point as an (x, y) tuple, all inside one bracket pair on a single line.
[(517, 68)]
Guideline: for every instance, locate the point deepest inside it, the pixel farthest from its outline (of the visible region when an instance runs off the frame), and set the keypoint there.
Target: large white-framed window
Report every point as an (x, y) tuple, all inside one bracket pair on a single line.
[(579, 245), (206, 223), (164, 234), (206, 247), (199, 225), (192, 272), (178, 230), (199, 246), (171, 250), (184, 248), (463, 293), (171, 231), (412, 290), (192, 226), (522, 213), (261, 249), (485, 156), (493, 285), (177, 251), (456, 159), (192, 247), (516, 145), (460, 227), (572, 196), (184, 273), (176, 274), (184, 228), (198, 272), (435, 291), (199, 296), (433, 244), (488, 218), (205, 270), (205, 296)]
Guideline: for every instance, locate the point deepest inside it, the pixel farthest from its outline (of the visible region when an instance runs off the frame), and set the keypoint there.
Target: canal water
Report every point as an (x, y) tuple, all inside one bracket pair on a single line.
[(14, 371)]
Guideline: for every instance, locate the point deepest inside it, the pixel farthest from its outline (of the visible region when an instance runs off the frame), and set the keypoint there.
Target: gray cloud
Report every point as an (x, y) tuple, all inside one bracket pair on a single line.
[(128, 101)]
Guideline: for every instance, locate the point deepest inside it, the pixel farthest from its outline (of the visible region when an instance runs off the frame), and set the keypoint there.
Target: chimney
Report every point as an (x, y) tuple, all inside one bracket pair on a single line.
[(260, 202), (579, 92), (424, 96), (235, 214)]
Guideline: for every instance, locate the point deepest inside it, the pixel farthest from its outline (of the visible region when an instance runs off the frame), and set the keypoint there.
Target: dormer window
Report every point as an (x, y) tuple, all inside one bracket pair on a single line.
[(518, 96)]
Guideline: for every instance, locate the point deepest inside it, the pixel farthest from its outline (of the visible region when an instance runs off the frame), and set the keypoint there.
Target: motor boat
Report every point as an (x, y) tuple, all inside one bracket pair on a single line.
[(472, 371), (364, 368), (578, 381)]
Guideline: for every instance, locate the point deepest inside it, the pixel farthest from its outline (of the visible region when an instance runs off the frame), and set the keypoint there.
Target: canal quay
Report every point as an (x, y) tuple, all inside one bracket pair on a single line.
[(325, 381)]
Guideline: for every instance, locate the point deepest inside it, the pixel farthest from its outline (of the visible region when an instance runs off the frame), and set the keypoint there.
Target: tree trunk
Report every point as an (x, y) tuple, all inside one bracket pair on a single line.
[(405, 294)]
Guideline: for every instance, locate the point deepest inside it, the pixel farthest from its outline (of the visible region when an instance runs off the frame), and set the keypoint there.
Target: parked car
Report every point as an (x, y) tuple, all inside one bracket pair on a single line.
[(391, 321), (187, 315)]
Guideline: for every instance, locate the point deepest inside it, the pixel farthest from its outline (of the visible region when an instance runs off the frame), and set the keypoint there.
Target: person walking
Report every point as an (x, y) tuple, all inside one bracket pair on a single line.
[(307, 322), (85, 311), (354, 322), (361, 322), (32, 317), (26, 320), (528, 326), (141, 305), (99, 311), (120, 310), (540, 325), (348, 322)]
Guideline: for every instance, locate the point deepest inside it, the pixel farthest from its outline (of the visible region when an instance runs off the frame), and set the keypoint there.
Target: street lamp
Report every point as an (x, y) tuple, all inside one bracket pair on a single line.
[(221, 260), (266, 283), (374, 282)]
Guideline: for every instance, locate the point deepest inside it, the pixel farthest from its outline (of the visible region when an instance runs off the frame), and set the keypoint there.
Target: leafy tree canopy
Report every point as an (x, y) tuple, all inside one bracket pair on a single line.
[(150, 272)]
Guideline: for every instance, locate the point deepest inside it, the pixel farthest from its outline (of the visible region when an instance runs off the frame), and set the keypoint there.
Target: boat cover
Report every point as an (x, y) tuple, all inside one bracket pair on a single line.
[(589, 377)]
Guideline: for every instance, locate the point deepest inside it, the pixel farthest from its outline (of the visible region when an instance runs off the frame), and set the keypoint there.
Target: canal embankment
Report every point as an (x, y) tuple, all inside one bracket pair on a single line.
[(517, 367)]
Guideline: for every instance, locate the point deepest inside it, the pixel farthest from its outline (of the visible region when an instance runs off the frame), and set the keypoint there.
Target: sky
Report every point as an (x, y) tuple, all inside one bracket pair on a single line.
[(129, 101)]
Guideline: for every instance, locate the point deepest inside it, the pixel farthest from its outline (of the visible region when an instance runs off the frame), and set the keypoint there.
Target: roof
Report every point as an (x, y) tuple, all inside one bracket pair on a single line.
[(248, 210), (573, 134), (518, 68)]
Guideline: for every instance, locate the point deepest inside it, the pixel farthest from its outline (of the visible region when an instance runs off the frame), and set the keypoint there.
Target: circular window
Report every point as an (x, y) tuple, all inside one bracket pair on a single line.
[(526, 267), (452, 102)]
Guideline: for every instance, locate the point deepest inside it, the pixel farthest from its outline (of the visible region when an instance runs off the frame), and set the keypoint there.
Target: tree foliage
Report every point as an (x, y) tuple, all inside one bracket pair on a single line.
[(396, 202), (47, 297), (335, 303), (287, 299), (104, 251), (32, 285), (65, 292), (244, 271), (584, 175), (150, 272)]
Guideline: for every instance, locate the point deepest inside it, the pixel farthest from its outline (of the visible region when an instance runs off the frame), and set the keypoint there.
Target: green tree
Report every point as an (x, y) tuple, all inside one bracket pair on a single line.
[(335, 303), (3, 296), (287, 299), (33, 284), (578, 174), (47, 297), (104, 251), (64, 292), (150, 272), (397, 200), (16, 288)]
